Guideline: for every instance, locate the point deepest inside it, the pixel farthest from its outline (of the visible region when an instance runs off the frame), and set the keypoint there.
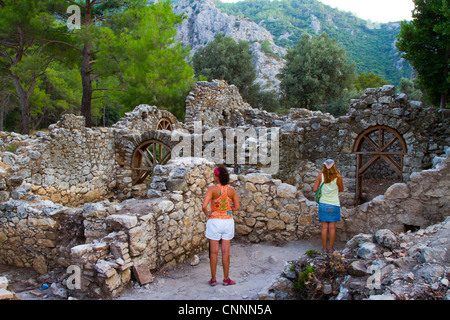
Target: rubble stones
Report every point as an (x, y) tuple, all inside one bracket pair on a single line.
[(379, 276), (386, 238)]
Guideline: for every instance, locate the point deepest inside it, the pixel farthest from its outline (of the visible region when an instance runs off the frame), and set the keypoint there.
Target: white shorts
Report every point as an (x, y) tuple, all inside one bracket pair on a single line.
[(217, 229)]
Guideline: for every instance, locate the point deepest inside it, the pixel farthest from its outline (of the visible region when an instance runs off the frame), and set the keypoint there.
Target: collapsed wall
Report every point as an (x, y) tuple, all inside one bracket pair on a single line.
[(165, 225), (67, 197), (71, 164), (308, 138)]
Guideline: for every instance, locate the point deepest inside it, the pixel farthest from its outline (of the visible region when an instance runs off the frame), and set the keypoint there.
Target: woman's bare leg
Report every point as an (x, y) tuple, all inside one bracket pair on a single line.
[(213, 253), (226, 258), (332, 233), (324, 235)]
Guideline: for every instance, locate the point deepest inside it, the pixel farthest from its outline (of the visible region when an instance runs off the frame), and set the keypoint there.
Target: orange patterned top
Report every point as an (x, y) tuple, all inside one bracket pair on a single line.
[(221, 207)]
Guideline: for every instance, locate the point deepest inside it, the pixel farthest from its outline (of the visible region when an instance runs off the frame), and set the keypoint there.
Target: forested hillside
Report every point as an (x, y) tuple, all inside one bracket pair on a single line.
[(369, 45)]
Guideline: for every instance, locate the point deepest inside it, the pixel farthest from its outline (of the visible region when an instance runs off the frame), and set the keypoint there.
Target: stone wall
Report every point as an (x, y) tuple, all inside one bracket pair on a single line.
[(215, 104), (422, 201), (72, 164), (314, 138), (307, 138), (165, 225), (38, 234), (67, 196)]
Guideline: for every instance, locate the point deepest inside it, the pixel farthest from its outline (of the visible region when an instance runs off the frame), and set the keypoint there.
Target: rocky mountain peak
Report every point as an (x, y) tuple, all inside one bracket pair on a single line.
[(204, 21)]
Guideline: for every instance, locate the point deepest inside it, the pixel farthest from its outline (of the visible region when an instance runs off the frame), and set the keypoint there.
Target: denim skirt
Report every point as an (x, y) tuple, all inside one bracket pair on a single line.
[(329, 213)]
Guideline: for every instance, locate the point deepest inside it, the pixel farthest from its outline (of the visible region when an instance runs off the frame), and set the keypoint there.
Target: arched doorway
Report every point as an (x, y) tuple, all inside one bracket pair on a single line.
[(145, 158), (378, 143)]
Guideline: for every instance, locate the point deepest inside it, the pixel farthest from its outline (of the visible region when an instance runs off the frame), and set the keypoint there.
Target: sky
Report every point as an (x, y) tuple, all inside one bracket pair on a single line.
[(375, 10)]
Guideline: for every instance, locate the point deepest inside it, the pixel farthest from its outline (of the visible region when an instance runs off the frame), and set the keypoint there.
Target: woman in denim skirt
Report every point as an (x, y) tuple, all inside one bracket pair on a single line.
[(329, 205)]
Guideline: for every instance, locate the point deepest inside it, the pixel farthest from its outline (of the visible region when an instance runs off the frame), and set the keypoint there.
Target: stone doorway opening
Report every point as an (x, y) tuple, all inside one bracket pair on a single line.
[(146, 157), (379, 161)]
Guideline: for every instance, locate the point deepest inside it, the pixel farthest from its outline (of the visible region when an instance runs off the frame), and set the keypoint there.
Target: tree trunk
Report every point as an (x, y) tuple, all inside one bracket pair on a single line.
[(445, 75), (1, 118), (443, 100), (24, 107), (87, 85)]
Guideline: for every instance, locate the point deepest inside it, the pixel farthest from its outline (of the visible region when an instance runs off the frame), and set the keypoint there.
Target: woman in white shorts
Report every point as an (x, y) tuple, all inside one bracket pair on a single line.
[(220, 224)]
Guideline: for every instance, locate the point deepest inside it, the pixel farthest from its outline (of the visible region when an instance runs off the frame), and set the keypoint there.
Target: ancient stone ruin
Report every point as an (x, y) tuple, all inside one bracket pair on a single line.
[(112, 201)]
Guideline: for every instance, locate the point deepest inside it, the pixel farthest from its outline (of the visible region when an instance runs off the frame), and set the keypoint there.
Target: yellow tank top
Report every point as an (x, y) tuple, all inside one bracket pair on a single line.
[(221, 207), (330, 193)]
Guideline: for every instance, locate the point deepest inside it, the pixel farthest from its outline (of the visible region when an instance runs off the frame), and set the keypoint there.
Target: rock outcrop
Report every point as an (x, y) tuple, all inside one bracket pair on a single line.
[(204, 21)]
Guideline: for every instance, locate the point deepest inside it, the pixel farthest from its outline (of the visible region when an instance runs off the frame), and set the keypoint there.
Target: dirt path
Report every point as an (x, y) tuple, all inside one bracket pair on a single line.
[(253, 267)]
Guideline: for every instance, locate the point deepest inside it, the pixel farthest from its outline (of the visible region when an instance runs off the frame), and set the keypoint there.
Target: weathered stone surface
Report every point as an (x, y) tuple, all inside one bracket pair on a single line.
[(285, 190), (386, 238), (380, 278), (3, 283), (397, 191), (357, 268), (40, 264), (6, 295), (274, 225), (125, 221), (367, 250)]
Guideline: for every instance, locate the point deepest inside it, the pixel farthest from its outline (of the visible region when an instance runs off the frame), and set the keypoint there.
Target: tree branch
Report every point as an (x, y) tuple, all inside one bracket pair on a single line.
[(99, 19), (60, 42), (32, 82), (6, 57), (104, 89), (63, 14), (10, 45), (95, 2), (76, 3)]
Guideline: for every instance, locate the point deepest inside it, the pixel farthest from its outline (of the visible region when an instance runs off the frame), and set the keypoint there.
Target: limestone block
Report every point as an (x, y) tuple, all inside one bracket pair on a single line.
[(386, 238), (164, 206), (273, 225), (3, 283), (80, 250), (40, 265), (122, 220), (250, 186), (242, 230), (6, 295), (397, 191), (285, 190), (432, 255), (357, 268), (367, 250), (258, 178), (43, 223)]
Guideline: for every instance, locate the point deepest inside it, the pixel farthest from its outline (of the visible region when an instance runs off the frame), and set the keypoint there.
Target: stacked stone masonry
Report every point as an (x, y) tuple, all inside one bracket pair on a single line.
[(67, 197)]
